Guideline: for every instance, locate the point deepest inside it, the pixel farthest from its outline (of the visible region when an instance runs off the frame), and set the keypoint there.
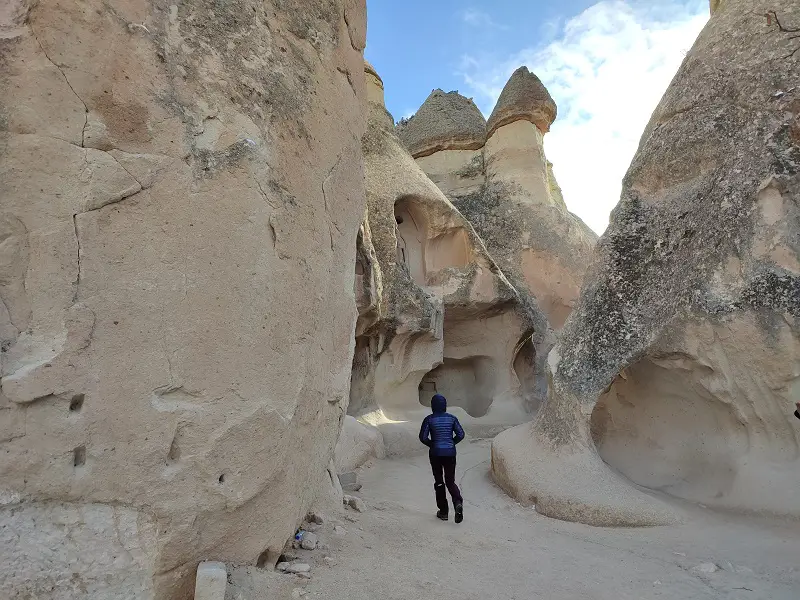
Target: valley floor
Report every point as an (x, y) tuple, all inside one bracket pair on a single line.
[(398, 550)]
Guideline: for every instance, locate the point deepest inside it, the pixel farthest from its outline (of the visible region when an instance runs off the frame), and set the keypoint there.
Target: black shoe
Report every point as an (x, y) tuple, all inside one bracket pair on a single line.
[(441, 515), (459, 513)]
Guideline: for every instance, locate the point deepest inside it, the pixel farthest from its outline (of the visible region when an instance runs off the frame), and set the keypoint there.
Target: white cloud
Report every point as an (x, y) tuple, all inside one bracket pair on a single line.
[(478, 18), (606, 70)]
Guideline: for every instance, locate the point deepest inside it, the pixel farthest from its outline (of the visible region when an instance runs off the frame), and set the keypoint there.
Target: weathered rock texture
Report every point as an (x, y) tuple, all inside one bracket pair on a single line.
[(358, 443), (436, 314), (503, 184), (684, 348), (524, 97), (446, 121), (181, 190)]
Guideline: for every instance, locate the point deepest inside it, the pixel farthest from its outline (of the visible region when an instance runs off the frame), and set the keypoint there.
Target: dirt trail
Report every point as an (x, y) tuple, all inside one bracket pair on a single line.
[(398, 550)]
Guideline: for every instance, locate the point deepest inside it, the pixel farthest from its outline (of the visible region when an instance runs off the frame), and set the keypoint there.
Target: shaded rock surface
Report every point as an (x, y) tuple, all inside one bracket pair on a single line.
[(181, 188), (680, 361)]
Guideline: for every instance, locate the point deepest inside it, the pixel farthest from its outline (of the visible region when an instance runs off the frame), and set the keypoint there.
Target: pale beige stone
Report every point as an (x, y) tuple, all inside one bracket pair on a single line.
[(682, 351), (514, 158), (554, 284), (375, 92), (177, 220), (456, 172), (357, 444), (211, 581), (675, 422), (436, 312), (508, 192)]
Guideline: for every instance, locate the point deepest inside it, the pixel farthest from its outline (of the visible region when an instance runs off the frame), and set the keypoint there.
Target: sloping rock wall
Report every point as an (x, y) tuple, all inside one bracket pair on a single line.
[(182, 187), (684, 348)]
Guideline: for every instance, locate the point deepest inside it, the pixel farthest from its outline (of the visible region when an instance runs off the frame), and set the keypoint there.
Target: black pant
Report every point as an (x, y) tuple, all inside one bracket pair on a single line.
[(444, 474)]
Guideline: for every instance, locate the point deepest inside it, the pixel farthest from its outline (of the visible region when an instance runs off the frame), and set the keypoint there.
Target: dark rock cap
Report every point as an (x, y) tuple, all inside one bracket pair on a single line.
[(445, 121), (368, 68), (523, 97)]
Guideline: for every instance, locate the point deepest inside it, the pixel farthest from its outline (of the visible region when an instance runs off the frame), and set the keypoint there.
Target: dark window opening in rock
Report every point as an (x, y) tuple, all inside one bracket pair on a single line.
[(79, 456), (221, 478), (467, 383), (664, 426), (411, 232), (525, 370), (76, 403)]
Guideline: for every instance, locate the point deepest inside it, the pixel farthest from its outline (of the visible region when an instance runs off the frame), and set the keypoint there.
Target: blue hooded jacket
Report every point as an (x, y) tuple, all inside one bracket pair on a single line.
[(440, 431)]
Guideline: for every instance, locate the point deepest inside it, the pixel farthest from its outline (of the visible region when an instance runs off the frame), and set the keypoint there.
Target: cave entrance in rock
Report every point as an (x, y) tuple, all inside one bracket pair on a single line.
[(660, 424), (525, 370), (465, 382), (411, 232)]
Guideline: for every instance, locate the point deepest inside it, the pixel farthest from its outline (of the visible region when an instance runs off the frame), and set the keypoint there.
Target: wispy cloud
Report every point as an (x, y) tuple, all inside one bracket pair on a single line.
[(607, 70), (479, 18)]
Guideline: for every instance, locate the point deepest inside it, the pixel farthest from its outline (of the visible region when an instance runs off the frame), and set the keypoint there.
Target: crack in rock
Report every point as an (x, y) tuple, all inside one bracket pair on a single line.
[(69, 85)]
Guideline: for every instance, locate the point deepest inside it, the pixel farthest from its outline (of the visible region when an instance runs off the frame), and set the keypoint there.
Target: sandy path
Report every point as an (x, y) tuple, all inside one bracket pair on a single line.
[(398, 550)]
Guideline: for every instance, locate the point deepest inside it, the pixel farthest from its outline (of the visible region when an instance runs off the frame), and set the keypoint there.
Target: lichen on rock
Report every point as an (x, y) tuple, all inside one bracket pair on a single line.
[(679, 362)]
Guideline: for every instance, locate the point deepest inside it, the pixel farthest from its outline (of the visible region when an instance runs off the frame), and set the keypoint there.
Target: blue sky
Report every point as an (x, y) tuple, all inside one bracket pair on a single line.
[(606, 63)]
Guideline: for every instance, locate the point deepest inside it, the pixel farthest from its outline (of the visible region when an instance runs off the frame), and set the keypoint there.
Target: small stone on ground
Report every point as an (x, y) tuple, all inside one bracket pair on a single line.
[(355, 503), (309, 541), (210, 581)]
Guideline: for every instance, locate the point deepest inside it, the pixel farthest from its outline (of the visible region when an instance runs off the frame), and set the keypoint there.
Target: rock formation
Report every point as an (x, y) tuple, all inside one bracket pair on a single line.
[(436, 314), (358, 443), (681, 361), (182, 186), (498, 177)]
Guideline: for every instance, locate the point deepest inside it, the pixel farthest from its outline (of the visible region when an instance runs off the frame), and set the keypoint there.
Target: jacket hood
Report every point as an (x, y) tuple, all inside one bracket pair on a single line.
[(438, 404)]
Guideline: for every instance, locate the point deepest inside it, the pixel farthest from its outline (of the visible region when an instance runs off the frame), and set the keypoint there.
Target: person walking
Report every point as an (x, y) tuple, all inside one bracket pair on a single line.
[(440, 432)]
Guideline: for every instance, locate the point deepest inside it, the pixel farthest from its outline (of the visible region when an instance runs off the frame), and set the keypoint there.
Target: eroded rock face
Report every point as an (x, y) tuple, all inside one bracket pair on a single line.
[(446, 121), (358, 443), (524, 97), (181, 191), (504, 185), (683, 349), (436, 314)]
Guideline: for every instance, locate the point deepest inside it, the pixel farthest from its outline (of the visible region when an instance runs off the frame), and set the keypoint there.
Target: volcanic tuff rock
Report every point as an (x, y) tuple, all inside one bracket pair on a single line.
[(681, 361), (181, 188), (436, 314), (504, 185), (446, 121), (523, 97)]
